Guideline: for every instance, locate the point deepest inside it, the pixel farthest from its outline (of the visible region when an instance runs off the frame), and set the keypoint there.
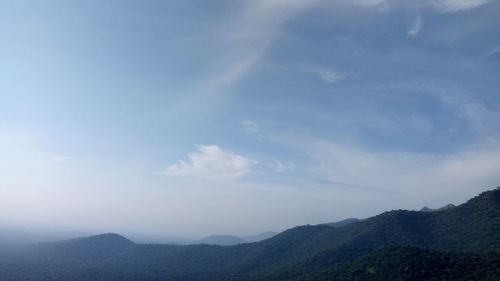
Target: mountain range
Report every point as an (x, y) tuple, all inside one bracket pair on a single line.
[(17, 236), (427, 209), (229, 240), (459, 243)]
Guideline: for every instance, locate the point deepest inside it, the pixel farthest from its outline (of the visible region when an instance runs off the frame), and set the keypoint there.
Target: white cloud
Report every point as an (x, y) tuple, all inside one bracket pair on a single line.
[(417, 26), (211, 162), (457, 5), (250, 126), (330, 76), (442, 6)]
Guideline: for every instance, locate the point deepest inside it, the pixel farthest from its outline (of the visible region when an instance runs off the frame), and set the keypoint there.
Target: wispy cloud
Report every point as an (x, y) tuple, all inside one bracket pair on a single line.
[(280, 167), (246, 37), (493, 51), (442, 6), (413, 174), (250, 126), (244, 41), (416, 27), (213, 163), (457, 5), (330, 76)]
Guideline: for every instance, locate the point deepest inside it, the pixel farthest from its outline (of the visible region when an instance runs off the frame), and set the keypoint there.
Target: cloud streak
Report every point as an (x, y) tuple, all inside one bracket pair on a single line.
[(246, 37), (417, 26), (330, 76), (245, 40), (250, 126), (447, 6), (440, 6), (412, 174), (493, 51)]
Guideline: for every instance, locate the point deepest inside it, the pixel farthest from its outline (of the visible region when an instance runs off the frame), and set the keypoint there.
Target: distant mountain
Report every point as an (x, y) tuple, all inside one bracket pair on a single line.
[(460, 243), (447, 207), (259, 237), (342, 223), (93, 247), (229, 240), (222, 240)]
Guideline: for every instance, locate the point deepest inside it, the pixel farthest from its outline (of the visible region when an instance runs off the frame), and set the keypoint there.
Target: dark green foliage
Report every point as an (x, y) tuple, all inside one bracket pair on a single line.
[(342, 223), (390, 246), (407, 263)]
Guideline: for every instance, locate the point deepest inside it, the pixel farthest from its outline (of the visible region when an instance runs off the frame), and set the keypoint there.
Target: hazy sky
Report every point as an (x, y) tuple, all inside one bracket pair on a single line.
[(190, 118)]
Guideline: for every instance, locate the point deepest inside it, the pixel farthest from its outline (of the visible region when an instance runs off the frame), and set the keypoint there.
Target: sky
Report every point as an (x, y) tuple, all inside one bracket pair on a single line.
[(189, 118)]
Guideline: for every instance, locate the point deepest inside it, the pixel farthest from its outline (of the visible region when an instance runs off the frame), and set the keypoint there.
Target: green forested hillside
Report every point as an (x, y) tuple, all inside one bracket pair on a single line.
[(395, 245), (408, 263)]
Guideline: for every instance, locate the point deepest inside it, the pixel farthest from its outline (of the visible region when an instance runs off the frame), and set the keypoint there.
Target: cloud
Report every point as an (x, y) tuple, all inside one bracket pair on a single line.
[(417, 26), (447, 6), (250, 126), (413, 174), (280, 167), (370, 3), (442, 6), (330, 76), (234, 72), (244, 40), (213, 163), (493, 51)]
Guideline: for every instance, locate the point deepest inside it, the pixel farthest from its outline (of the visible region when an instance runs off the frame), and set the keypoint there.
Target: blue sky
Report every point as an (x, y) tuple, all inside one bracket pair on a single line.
[(190, 118)]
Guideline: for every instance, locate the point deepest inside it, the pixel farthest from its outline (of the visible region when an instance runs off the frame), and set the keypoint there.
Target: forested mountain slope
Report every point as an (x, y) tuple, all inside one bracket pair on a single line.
[(300, 253)]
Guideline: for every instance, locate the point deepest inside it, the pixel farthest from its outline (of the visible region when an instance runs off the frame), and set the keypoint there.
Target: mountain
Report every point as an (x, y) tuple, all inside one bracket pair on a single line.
[(222, 240), (259, 237), (229, 240), (427, 209), (93, 247), (342, 223), (460, 243)]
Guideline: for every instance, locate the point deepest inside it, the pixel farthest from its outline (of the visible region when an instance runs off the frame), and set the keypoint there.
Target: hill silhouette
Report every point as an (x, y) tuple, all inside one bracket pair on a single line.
[(342, 223), (93, 247), (459, 235), (222, 240), (427, 209)]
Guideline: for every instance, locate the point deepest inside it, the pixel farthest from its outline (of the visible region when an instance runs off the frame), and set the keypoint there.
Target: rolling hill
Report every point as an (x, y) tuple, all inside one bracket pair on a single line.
[(221, 240), (230, 240), (467, 234)]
